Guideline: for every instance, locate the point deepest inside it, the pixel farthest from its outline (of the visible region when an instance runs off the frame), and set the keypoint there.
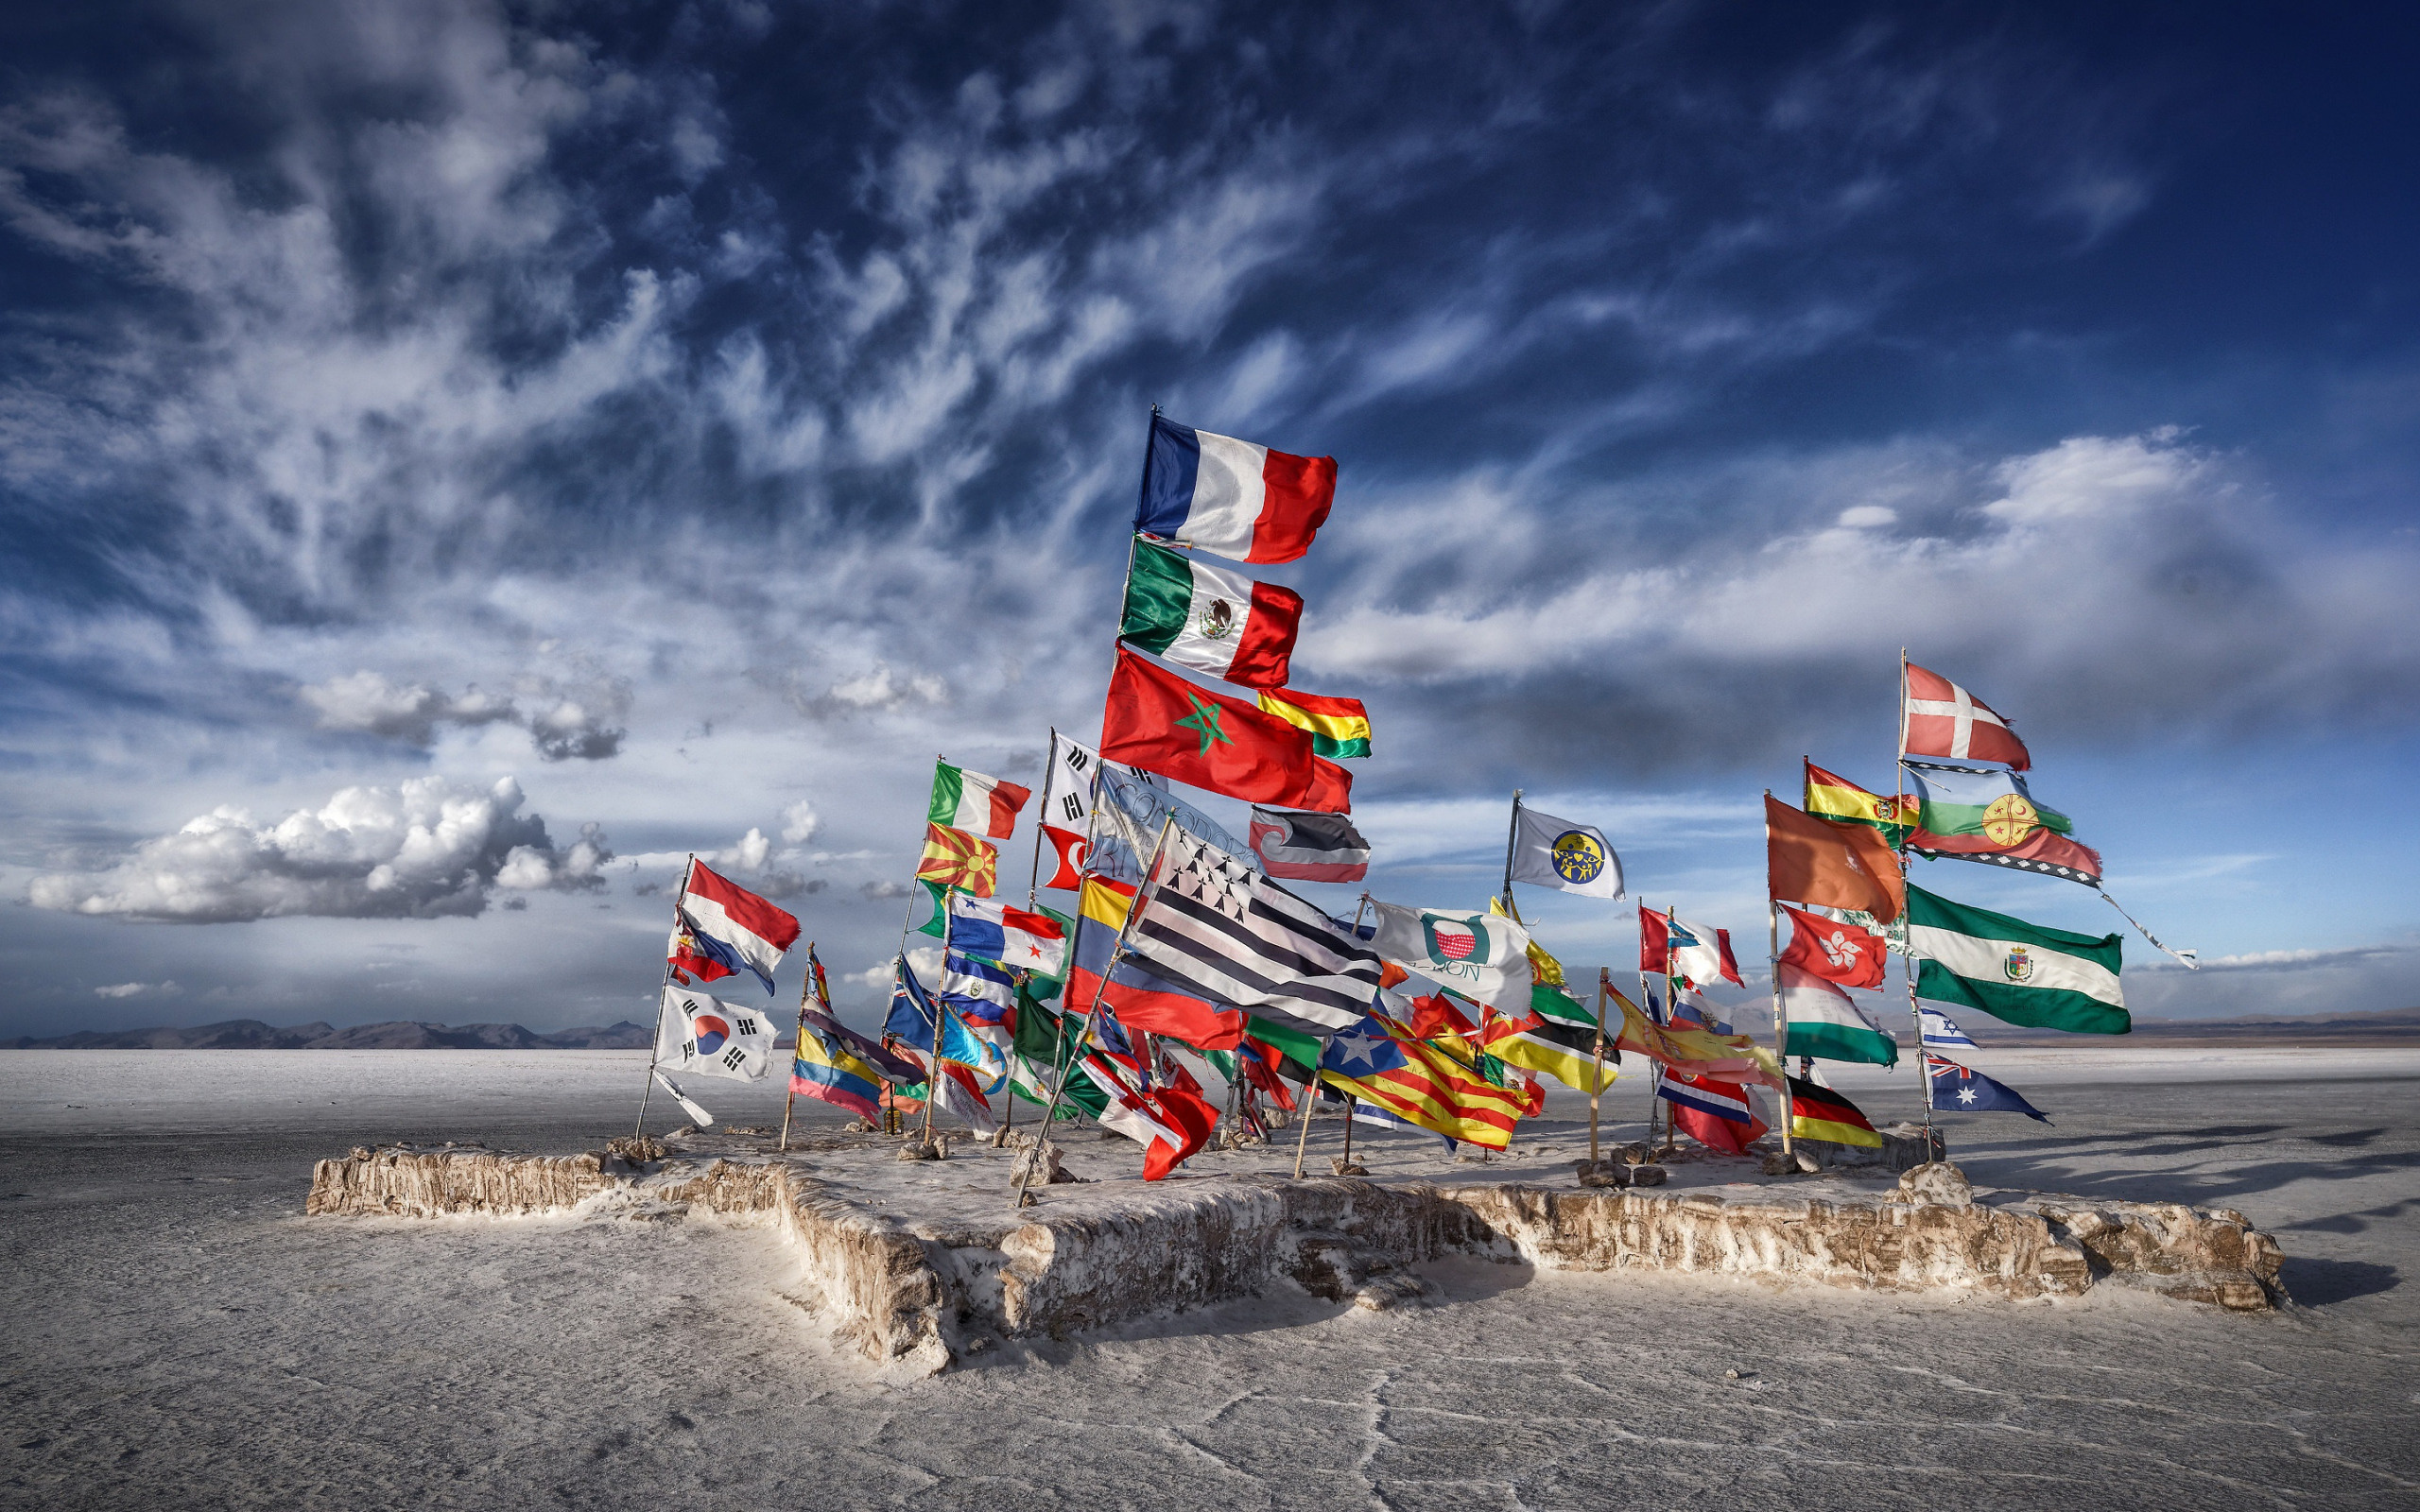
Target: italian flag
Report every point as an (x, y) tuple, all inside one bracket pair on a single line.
[(1208, 618), (2024, 974), (1826, 1023), (1339, 727), (976, 803)]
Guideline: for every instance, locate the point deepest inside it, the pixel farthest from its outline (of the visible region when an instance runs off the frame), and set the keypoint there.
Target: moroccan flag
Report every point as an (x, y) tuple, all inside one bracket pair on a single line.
[(2026, 974), (1809, 860), (1944, 719), (1821, 1113), (974, 803), (1339, 727), (1835, 797), (1162, 722), (954, 858), (1850, 954), (1208, 618)]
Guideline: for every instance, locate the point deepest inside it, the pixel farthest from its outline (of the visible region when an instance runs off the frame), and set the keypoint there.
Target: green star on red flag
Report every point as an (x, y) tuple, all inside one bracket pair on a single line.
[(1160, 722), (1205, 719)]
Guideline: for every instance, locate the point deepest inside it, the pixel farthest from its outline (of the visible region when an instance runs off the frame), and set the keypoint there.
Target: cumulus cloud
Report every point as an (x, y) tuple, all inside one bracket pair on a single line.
[(800, 822), (561, 726), (428, 848), (135, 989)]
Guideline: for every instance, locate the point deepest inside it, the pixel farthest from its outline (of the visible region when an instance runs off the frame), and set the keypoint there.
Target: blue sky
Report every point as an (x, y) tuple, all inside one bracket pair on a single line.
[(459, 459)]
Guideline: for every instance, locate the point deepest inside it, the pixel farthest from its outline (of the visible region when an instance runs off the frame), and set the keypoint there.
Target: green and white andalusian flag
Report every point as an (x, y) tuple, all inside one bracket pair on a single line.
[(1209, 619), (2042, 978)]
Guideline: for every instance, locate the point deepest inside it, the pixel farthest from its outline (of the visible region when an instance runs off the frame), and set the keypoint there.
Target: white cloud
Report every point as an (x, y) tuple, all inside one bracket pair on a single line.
[(133, 989), (561, 724), (425, 849), (800, 822)]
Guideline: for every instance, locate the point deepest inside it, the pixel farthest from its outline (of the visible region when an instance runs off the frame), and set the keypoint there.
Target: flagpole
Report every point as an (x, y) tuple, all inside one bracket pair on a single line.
[(1907, 957), (790, 1095), (1671, 1006), (656, 1044), (932, 1071), (1101, 985), (1049, 774), (1781, 1026), (1597, 1078), (1645, 997), (1512, 840)]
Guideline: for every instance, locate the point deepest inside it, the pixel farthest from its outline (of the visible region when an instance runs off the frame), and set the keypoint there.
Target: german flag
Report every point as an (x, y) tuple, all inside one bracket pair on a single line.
[(1820, 1113)]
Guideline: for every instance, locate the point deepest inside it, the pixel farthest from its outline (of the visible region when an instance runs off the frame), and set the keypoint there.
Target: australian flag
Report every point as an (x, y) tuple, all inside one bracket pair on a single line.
[(1959, 1090)]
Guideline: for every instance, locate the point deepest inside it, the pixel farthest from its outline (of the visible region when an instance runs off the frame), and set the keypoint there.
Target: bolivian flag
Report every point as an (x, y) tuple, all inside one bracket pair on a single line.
[(1339, 727), (1821, 1113), (1835, 797)]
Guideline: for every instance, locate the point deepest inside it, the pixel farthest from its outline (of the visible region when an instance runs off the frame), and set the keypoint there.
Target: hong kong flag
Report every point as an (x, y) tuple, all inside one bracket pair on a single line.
[(1850, 954), (1163, 723)]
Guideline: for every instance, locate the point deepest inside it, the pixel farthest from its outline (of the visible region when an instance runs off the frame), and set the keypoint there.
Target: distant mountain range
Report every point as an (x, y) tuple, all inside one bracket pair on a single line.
[(2391, 1026), (403, 1034)]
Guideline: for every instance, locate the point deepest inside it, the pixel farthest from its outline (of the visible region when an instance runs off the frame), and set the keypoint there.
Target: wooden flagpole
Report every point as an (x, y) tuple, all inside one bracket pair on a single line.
[(1647, 999), (1781, 1026), (1597, 1077), (1101, 985), (1671, 1007), (655, 1045), (1907, 957), (790, 1095)]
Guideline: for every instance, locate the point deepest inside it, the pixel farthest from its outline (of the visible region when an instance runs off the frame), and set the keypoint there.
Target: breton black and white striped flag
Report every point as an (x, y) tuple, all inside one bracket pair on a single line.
[(1215, 927)]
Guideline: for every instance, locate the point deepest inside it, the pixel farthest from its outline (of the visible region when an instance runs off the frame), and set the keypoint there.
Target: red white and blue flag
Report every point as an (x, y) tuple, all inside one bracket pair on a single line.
[(730, 927), (1015, 938), (1236, 498), (1958, 1089), (1716, 1114)]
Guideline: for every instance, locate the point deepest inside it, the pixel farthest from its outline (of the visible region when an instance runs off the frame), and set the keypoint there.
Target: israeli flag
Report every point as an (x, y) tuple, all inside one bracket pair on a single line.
[(1941, 1032)]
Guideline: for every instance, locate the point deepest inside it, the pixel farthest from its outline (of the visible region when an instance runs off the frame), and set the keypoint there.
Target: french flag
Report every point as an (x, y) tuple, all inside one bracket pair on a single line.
[(751, 931), (1237, 499)]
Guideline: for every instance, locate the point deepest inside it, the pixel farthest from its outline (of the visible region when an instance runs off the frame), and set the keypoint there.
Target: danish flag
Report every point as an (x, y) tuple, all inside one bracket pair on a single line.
[(1944, 719)]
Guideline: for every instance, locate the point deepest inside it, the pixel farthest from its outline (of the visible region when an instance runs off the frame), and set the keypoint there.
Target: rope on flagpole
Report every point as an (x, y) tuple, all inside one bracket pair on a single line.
[(2185, 957)]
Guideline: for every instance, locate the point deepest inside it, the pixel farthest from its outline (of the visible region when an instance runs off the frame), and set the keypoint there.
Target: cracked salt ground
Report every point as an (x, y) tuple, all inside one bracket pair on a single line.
[(179, 1336)]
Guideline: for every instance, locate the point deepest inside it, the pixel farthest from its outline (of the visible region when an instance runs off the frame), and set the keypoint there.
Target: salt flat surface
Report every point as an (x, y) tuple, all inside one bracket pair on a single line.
[(180, 1337)]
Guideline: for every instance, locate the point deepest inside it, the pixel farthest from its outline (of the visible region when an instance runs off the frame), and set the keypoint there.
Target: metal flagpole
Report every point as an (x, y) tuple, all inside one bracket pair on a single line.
[(1907, 957), (1049, 775), (932, 1071), (1781, 1026), (655, 1046), (1101, 985), (1646, 1000), (1671, 1006), (1511, 841), (790, 1095)]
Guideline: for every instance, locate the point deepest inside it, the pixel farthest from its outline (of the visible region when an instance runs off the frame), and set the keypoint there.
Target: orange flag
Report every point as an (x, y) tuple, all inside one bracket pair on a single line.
[(957, 859), (1809, 860)]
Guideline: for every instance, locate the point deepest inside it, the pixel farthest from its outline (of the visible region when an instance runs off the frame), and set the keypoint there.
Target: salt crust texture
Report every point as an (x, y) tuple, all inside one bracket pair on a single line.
[(915, 1290)]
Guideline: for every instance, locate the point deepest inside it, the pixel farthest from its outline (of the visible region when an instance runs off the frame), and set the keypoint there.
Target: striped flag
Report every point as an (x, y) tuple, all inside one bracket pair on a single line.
[(1558, 1037), (1940, 1031), (972, 801), (1423, 1085), (1820, 1113), (1213, 925)]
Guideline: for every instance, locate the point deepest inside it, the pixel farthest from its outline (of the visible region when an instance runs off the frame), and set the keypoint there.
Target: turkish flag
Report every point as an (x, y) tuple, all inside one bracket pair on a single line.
[(1944, 719), (1069, 846), (1839, 866), (1850, 954), (1167, 724)]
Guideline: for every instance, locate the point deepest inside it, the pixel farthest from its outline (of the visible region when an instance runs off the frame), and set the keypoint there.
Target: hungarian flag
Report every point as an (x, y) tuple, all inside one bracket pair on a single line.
[(1832, 797), (1946, 720), (954, 858), (1339, 727), (1236, 498), (1821, 1113), (1208, 618), (974, 803), (1162, 722), (1809, 860), (1850, 954), (1823, 1022)]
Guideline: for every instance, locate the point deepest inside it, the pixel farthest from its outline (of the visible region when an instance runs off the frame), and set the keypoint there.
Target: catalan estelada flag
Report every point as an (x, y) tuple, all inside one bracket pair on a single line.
[(1339, 727), (1821, 1113), (1421, 1084)]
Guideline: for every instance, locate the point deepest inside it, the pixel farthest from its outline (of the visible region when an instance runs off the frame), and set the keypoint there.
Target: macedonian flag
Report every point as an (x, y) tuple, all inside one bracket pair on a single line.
[(954, 858)]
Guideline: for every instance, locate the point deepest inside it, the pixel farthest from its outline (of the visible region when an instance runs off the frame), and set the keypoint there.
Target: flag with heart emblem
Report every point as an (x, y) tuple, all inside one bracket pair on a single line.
[(1847, 953), (1162, 722), (1944, 719), (1209, 618), (1236, 498), (1483, 956)]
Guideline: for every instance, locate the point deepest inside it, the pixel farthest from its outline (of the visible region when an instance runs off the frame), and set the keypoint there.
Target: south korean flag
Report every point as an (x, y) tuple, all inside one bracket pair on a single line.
[(707, 1037)]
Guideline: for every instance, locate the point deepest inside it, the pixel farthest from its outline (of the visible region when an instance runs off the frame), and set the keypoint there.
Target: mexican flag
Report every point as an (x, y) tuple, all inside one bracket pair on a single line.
[(2024, 974), (1208, 618), (974, 803), (1826, 1023)]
